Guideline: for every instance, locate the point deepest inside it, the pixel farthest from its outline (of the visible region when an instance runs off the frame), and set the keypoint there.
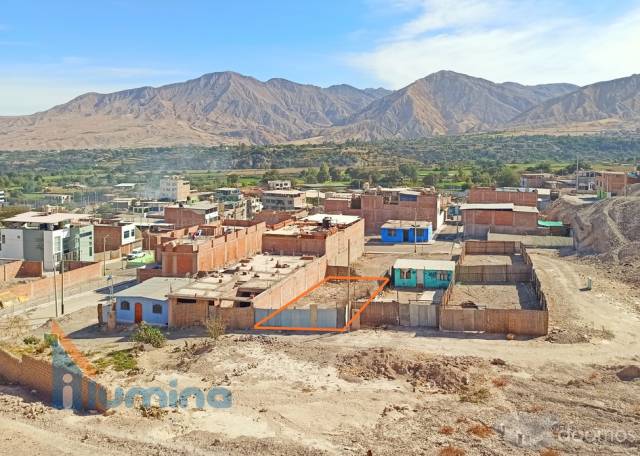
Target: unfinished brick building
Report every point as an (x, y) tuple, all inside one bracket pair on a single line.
[(491, 195), (335, 236), (506, 218), (379, 206), (214, 248)]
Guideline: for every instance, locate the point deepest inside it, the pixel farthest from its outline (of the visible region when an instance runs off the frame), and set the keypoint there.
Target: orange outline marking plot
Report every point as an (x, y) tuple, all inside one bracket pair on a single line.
[(384, 280)]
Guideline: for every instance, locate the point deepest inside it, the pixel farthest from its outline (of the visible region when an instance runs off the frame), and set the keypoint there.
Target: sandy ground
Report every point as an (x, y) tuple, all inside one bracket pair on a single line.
[(378, 392), (496, 296), (481, 260)]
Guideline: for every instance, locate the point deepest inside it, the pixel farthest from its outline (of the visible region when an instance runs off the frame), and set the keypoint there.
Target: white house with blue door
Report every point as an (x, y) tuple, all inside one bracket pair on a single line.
[(147, 301), (418, 273), (398, 231)]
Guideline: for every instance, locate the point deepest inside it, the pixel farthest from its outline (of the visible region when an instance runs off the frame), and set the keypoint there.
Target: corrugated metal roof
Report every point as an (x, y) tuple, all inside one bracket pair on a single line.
[(419, 264)]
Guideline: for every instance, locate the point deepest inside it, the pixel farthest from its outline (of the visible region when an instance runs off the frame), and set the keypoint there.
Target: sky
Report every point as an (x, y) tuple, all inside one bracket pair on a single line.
[(53, 51)]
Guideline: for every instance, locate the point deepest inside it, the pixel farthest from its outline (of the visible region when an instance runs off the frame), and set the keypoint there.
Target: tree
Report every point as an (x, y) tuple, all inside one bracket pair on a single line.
[(335, 173), (507, 177), (430, 180), (232, 180), (323, 173), (409, 170)]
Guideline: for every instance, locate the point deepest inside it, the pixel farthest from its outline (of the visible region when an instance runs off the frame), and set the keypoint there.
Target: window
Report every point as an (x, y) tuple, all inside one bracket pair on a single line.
[(405, 274), (420, 232), (124, 305), (4, 239), (391, 232), (443, 275), (157, 309), (126, 234)]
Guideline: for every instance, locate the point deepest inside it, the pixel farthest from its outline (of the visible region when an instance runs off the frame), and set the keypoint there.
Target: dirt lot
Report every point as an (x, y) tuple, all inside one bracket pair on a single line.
[(378, 392), (496, 296), (483, 260), (335, 294)]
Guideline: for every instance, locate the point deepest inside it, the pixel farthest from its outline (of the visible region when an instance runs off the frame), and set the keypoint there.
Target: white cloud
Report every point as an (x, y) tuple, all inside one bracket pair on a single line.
[(504, 40)]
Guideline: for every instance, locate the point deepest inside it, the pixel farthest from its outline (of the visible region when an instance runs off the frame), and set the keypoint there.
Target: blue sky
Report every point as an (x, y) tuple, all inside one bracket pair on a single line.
[(51, 51)]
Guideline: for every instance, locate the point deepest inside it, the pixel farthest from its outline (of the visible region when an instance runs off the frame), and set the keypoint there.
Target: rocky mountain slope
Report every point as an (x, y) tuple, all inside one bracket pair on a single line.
[(444, 103), (229, 108), (609, 102)]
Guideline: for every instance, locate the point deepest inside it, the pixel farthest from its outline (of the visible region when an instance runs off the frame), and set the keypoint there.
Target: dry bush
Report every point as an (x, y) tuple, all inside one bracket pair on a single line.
[(446, 430), (535, 408), (499, 382), (480, 430), (451, 451), (549, 452), (475, 397), (462, 419), (216, 327)]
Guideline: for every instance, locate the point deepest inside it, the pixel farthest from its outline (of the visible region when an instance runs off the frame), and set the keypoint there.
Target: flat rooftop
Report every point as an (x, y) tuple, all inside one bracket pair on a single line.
[(43, 217), (497, 207), (406, 224), (430, 265), (154, 288), (282, 192), (253, 275), (335, 219), (199, 205)]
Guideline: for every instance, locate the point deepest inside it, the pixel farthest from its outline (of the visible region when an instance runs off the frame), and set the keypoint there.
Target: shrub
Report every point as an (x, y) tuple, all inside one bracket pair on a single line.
[(31, 340), (216, 327), (120, 360), (549, 452), (446, 430), (480, 430), (451, 451), (149, 335), (499, 382), (475, 397)]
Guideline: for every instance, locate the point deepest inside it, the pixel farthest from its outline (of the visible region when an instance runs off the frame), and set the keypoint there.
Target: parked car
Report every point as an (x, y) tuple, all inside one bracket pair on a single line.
[(135, 255)]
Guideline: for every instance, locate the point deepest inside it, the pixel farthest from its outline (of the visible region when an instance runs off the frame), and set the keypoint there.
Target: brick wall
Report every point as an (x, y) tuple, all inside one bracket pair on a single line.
[(477, 223), (37, 374), (490, 195), (375, 212), (334, 244), (210, 254), (293, 285), (183, 216), (78, 272), (20, 269)]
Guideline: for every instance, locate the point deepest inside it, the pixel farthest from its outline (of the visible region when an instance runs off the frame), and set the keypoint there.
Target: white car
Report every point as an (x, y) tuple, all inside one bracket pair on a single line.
[(135, 254)]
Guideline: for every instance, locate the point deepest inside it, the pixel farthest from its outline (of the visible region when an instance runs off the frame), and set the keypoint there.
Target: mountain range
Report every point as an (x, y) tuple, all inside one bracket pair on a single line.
[(229, 108)]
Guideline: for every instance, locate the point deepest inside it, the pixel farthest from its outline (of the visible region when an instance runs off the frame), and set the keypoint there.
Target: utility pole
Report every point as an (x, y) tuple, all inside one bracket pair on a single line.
[(104, 254), (415, 229), (62, 285), (577, 169), (55, 288), (348, 279)]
